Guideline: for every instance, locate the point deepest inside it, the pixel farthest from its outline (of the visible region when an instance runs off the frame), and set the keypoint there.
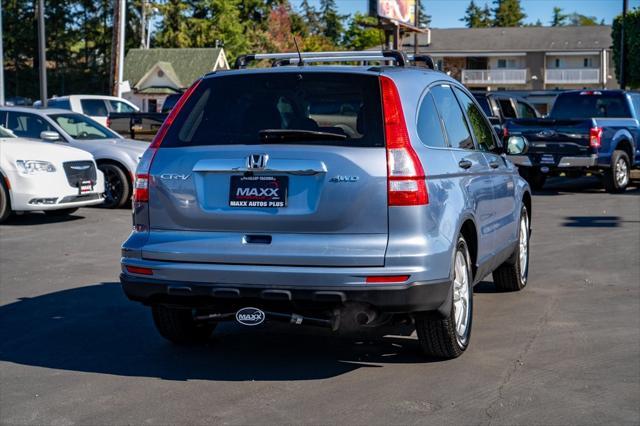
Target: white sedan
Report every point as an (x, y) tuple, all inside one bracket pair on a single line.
[(40, 176)]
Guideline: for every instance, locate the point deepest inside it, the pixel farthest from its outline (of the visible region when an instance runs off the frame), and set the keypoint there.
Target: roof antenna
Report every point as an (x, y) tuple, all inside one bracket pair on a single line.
[(300, 62)]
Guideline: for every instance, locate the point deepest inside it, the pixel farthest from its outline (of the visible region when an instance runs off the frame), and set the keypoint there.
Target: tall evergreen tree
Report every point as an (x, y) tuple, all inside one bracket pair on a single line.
[(508, 13), (559, 19), (475, 17), (331, 20), (424, 19), (311, 17)]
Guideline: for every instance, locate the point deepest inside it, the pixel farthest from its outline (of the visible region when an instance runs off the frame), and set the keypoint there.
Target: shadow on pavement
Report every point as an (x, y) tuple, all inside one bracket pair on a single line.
[(582, 185), (96, 329), (27, 219)]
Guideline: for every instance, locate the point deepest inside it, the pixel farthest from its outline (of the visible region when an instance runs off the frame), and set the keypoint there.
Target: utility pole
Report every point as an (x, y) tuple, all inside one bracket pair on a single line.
[(2, 58), (42, 54), (117, 47), (623, 80)]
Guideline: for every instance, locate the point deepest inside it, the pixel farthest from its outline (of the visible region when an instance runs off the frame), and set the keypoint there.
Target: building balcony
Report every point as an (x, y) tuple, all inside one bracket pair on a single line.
[(572, 76), (495, 76)]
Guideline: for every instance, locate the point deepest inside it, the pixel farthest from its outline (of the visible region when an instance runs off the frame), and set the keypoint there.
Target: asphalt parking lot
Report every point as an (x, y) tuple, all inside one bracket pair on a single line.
[(566, 350)]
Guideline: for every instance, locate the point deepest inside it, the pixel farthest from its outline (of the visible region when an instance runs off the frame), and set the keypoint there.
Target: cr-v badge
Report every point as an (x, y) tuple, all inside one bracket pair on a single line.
[(173, 176)]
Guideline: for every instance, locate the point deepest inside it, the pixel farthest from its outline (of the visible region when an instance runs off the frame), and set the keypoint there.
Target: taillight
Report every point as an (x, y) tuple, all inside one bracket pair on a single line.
[(405, 176), (141, 182), (108, 122), (505, 133), (595, 137)]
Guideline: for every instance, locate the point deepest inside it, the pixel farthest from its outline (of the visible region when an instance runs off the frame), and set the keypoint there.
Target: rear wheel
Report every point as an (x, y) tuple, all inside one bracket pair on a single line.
[(449, 337), (512, 275), (117, 188), (617, 177), (61, 212), (5, 201), (178, 326)]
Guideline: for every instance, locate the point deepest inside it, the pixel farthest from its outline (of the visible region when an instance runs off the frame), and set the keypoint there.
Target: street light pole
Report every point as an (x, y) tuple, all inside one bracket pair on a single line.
[(123, 14), (2, 58), (42, 54), (623, 80)]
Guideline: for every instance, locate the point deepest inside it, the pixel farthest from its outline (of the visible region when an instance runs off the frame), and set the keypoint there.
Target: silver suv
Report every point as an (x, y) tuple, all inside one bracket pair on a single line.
[(348, 197)]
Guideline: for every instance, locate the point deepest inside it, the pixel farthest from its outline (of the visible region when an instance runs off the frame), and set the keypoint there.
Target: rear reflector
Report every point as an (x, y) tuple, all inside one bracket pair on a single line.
[(387, 279), (405, 176), (138, 270), (595, 137)]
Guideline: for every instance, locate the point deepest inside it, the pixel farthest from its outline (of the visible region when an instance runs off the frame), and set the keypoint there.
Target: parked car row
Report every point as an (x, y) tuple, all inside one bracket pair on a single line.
[(39, 176), (115, 157)]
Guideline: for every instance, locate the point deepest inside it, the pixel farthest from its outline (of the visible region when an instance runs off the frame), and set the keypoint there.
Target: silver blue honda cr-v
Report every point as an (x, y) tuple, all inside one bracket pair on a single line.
[(348, 197)]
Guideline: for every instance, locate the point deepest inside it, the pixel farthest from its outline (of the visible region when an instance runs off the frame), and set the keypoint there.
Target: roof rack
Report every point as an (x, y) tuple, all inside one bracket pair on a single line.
[(400, 58)]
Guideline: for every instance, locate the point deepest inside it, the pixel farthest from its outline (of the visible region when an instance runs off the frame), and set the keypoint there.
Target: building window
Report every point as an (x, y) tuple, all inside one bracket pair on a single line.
[(587, 63), (506, 63), (502, 63), (557, 63), (440, 65)]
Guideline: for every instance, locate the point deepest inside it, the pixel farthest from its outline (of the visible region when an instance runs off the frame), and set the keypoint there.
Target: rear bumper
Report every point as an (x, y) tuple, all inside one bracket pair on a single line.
[(562, 163), (403, 298)]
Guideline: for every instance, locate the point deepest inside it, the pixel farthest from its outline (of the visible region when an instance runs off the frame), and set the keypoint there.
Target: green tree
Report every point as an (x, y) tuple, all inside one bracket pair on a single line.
[(424, 19), (173, 31), (508, 13), (578, 19), (559, 19), (331, 21), (361, 33), (631, 47), (475, 17), (311, 18)]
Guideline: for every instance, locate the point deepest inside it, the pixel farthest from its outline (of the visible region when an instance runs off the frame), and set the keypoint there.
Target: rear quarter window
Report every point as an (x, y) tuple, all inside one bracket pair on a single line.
[(589, 104), (234, 109)]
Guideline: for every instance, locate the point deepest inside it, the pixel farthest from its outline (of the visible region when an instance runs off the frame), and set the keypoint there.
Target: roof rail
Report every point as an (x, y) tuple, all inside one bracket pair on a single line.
[(279, 59)]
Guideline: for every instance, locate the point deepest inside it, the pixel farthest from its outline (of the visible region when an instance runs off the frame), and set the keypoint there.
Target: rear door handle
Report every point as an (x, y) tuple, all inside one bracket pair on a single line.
[(494, 164), (465, 164)]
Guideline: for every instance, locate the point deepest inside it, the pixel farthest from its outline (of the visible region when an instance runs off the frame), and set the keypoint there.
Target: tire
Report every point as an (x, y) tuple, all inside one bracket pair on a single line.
[(513, 274), (5, 201), (448, 338), (178, 326), (61, 212), (617, 177), (117, 187)]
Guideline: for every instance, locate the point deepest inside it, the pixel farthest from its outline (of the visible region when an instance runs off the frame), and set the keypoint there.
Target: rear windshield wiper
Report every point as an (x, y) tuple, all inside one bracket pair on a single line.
[(272, 135)]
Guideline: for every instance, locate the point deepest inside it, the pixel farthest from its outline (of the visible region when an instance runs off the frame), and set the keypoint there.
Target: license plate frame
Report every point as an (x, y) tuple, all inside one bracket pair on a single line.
[(258, 191)]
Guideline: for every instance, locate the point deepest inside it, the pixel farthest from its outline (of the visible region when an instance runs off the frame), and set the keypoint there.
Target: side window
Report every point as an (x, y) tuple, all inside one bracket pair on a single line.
[(507, 108), (62, 104), (3, 119), (481, 128), (25, 125), (635, 99), (525, 111), (117, 106), (454, 121), (94, 107), (429, 126)]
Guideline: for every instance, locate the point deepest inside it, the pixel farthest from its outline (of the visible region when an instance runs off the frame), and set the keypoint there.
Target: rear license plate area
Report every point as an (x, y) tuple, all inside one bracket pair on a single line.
[(258, 191)]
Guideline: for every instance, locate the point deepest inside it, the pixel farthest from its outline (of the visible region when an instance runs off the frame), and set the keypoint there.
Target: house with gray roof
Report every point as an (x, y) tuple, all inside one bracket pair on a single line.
[(153, 74), (522, 58)]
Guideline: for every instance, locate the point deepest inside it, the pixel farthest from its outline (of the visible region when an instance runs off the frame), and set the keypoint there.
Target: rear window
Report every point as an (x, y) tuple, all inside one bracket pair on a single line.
[(590, 105), (237, 109), (59, 103)]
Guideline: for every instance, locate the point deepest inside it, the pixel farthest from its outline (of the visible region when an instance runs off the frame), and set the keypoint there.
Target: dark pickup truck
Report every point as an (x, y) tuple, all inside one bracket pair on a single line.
[(141, 126), (500, 107), (588, 131)]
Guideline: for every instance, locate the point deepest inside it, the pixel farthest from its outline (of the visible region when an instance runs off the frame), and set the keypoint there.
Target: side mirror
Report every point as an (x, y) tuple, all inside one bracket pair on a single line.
[(517, 145), (50, 136)]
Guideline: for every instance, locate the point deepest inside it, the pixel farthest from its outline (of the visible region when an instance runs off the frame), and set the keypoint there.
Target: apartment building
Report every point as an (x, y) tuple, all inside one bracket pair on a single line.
[(522, 58)]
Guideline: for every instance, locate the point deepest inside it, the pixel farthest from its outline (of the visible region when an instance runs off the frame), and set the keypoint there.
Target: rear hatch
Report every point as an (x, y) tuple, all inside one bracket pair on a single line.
[(551, 139), (276, 168)]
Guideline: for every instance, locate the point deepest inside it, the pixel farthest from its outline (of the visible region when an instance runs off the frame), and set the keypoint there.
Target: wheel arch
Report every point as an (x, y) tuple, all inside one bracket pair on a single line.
[(469, 231), (624, 144), (117, 163)]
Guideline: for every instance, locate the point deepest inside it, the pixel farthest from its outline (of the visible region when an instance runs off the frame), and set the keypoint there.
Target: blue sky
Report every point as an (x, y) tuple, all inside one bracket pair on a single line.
[(446, 13)]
